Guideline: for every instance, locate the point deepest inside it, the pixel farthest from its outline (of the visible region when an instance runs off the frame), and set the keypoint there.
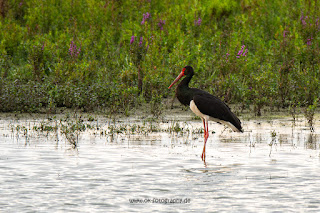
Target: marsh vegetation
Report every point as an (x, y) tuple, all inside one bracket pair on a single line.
[(113, 56)]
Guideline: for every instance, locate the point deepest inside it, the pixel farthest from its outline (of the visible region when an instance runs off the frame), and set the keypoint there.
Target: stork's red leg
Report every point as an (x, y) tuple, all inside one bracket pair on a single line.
[(206, 135), (207, 130), (204, 127)]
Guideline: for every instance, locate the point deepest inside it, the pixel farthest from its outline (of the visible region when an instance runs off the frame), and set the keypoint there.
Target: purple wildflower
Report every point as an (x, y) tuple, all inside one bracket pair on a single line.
[(71, 47), (198, 22), (73, 50), (242, 52), (284, 33), (132, 39), (250, 88), (245, 52), (141, 39), (304, 22), (309, 41), (42, 48), (161, 23), (145, 18), (301, 18), (227, 55)]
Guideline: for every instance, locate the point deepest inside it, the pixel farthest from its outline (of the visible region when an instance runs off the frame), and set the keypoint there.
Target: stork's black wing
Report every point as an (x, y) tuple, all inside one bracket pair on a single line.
[(214, 107)]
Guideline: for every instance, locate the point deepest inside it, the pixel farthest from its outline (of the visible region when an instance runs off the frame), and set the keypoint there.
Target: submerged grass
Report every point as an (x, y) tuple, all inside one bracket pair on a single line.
[(70, 127)]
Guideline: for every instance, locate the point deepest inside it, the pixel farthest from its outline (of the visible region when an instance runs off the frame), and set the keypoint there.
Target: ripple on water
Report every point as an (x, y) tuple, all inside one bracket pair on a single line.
[(243, 172)]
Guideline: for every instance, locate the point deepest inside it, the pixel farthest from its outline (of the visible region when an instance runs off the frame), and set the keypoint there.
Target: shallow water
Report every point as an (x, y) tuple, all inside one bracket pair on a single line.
[(273, 166)]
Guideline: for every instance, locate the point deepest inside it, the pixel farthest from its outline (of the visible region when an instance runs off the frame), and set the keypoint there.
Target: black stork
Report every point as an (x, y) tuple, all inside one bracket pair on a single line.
[(204, 105)]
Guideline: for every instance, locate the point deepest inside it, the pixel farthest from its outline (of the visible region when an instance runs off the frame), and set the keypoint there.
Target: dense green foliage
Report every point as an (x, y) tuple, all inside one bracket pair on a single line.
[(115, 54)]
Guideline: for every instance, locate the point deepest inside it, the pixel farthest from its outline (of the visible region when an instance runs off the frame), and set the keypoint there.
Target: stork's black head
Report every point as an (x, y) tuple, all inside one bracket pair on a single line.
[(186, 71)]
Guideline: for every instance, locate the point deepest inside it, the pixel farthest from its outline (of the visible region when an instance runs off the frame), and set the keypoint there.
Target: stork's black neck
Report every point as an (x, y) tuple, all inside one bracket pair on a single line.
[(184, 93), (185, 81)]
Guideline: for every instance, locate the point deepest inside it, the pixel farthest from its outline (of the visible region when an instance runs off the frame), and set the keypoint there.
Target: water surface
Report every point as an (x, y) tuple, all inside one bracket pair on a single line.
[(273, 166)]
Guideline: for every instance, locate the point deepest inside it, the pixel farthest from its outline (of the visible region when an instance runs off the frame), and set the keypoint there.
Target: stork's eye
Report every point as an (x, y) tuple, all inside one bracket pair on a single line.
[(183, 70)]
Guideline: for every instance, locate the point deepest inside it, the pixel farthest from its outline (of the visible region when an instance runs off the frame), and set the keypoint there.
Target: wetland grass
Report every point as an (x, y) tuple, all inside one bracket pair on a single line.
[(50, 63)]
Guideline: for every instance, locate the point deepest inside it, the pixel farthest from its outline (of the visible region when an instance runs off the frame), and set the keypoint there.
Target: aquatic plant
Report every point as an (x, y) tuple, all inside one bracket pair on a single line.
[(309, 112), (273, 141), (293, 109)]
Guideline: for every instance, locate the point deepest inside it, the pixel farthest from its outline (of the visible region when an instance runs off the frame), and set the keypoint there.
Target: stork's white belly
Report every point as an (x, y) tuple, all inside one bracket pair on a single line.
[(196, 111)]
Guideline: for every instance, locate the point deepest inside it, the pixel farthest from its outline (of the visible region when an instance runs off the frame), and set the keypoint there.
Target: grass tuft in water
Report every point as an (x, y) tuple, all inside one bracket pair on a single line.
[(309, 113)]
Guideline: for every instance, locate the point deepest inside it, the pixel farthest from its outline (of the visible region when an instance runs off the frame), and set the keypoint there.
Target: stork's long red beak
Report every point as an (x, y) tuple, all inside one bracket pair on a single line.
[(177, 79)]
